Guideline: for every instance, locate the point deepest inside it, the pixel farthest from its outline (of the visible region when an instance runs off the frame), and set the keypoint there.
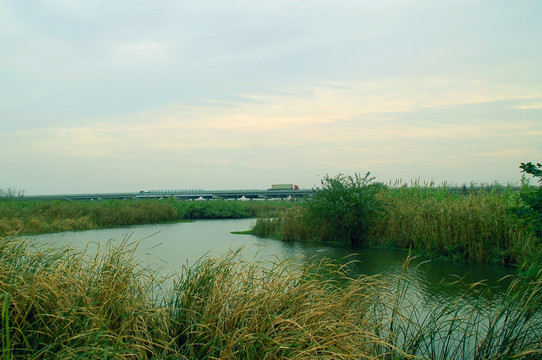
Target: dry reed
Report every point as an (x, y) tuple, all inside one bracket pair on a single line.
[(64, 304)]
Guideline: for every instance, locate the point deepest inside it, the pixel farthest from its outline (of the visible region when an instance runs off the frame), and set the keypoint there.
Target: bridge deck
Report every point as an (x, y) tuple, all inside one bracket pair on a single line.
[(178, 194)]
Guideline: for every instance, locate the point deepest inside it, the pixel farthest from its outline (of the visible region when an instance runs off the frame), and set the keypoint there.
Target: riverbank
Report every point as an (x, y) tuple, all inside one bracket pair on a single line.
[(46, 216), (61, 304), (479, 226)]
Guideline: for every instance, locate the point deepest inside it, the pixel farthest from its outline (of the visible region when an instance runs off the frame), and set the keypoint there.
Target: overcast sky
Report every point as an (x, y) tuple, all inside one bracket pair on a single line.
[(106, 96)]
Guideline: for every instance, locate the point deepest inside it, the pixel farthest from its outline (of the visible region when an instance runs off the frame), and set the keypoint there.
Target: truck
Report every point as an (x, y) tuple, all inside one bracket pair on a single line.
[(284, 187)]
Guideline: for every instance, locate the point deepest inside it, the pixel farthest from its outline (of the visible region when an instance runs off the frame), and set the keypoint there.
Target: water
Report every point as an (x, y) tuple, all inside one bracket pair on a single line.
[(170, 246)]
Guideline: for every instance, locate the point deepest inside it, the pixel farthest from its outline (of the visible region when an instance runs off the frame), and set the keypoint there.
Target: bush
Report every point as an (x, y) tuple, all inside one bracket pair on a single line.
[(346, 206)]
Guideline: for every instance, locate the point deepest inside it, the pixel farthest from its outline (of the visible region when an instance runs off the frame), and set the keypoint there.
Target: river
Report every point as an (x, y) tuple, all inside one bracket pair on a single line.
[(170, 246)]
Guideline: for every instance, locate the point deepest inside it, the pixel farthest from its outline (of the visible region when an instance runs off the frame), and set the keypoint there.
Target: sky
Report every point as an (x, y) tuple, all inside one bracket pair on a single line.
[(114, 96)]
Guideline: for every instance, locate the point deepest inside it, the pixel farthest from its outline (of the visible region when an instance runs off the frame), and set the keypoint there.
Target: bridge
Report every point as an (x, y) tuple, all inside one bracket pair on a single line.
[(189, 194), (200, 194)]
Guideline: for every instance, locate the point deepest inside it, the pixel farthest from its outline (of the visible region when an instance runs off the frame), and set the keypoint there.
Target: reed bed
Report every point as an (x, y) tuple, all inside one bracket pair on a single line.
[(64, 304), (478, 226), (477, 324), (32, 217), (287, 225), (35, 217)]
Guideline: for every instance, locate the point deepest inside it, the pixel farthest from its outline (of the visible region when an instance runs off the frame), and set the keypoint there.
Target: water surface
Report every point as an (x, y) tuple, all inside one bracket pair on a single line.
[(170, 246)]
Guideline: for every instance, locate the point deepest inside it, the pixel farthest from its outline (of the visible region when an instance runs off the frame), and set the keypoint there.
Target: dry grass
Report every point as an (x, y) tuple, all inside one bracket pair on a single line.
[(64, 304), (61, 304), (238, 310)]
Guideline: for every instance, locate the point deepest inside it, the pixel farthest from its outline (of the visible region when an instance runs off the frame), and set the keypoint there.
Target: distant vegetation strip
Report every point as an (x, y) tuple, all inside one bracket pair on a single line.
[(44, 216), (61, 304)]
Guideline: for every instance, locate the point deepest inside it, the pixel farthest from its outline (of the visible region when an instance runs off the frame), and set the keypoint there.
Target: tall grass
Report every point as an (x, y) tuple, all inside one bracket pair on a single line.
[(235, 309), (61, 304), (287, 225), (475, 325), (475, 227), (479, 226), (34, 217), (65, 304), (31, 217)]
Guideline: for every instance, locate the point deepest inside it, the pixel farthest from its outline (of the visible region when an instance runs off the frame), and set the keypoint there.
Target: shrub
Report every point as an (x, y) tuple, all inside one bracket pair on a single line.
[(346, 205)]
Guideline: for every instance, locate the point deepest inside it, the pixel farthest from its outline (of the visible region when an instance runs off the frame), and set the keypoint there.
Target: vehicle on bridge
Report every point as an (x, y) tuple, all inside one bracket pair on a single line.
[(284, 187)]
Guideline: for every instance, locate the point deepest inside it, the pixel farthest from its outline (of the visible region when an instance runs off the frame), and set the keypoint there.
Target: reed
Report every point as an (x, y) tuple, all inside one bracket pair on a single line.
[(62, 304), (478, 226), (474, 325), (287, 225), (66, 304), (235, 309), (32, 217), (35, 217)]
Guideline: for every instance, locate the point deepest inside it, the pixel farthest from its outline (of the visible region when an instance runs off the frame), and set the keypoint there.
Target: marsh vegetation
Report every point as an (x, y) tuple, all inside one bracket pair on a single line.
[(45, 216), (484, 225), (63, 304)]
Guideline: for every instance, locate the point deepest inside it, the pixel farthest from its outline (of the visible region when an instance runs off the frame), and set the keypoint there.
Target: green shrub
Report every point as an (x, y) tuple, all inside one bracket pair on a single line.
[(346, 206)]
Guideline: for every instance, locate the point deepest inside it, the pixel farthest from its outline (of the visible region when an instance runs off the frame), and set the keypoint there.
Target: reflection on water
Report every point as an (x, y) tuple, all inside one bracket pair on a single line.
[(170, 246)]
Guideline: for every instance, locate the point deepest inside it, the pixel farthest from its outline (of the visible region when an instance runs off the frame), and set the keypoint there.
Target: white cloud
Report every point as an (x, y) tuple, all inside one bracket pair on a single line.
[(333, 119)]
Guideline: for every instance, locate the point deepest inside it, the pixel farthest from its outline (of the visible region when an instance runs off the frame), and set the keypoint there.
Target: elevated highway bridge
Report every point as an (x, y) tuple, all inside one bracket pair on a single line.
[(189, 194), (200, 194)]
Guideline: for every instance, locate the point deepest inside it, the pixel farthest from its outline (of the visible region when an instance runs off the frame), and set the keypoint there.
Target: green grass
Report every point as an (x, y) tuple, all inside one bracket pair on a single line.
[(34, 217), (475, 324), (478, 226), (65, 304)]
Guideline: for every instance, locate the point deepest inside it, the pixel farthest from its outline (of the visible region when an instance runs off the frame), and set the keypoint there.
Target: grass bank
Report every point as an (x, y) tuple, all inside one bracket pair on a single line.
[(33, 217), (477, 226), (62, 304)]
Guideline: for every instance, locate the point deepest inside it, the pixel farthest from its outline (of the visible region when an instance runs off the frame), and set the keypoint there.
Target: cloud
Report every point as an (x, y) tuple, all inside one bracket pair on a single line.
[(141, 52), (343, 123)]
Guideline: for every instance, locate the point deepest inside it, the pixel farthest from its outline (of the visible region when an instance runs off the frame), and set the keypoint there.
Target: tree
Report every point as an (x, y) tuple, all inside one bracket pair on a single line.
[(346, 205), (531, 169), (11, 193)]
